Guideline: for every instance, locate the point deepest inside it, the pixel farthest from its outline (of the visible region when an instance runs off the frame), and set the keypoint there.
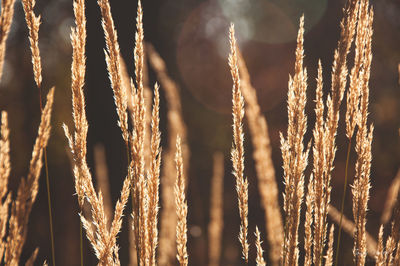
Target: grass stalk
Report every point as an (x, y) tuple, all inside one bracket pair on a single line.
[(343, 199), (49, 207), (48, 191)]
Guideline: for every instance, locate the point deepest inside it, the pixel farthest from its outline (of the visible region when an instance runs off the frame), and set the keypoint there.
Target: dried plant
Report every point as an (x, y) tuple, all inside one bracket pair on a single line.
[(142, 138), (33, 23), (154, 176), (5, 169), (308, 224), (319, 188), (78, 69), (137, 171), (380, 254), (361, 185), (114, 67), (102, 237), (181, 208), (294, 154), (237, 152), (329, 253), (259, 260)]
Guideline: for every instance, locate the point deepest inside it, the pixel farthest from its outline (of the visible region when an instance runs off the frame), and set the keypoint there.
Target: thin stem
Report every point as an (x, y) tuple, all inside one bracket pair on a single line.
[(343, 199), (48, 190), (49, 206)]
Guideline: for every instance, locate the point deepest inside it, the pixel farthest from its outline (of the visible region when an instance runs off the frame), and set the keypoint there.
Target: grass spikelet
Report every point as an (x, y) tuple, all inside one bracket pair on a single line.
[(259, 260), (237, 152), (308, 239), (380, 253), (329, 253), (154, 177), (339, 67), (33, 23), (5, 165), (321, 184), (262, 155), (78, 69), (5, 169), (181, 207), (294, 155), (361, 185), (216, 224), (137, 171), (114, 68)]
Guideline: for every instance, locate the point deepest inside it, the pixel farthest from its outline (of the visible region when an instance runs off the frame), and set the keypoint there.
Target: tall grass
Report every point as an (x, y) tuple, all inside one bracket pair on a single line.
[(160, 237)]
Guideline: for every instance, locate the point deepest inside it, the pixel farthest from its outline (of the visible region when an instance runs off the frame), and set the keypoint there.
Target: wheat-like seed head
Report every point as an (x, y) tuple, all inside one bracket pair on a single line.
[(294, 155), (154, 176), (259, 260), (112, 55), (361, 186), (237, 152), (308, 239), (78, 69), (356, 75), (181, 208), (33, 23), (5, 165), (5, 168), (329, 253), (321, 185), (380, 253)]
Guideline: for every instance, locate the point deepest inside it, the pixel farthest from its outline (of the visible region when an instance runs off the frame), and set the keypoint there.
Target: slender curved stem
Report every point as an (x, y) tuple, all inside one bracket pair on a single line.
[(49, 206), (48, 191), (343, 200)]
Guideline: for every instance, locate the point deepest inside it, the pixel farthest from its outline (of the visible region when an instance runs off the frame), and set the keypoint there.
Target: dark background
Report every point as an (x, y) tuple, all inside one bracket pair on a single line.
[(192, 36)]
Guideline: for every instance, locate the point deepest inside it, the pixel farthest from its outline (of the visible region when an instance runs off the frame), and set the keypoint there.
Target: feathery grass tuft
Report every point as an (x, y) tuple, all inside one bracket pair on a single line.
[(181, 208), (294, 154), (237, 152)]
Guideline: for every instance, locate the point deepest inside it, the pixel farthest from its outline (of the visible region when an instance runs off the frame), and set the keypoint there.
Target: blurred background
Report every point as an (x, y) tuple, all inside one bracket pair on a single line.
[(192, 37)]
